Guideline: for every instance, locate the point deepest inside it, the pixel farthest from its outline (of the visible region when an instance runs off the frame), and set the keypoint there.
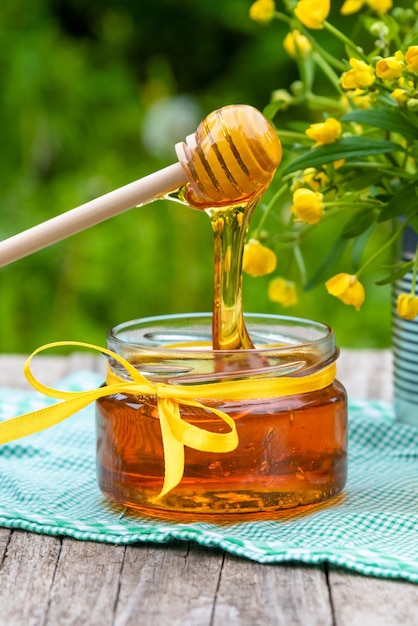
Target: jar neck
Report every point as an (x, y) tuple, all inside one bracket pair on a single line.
[(177, 349)]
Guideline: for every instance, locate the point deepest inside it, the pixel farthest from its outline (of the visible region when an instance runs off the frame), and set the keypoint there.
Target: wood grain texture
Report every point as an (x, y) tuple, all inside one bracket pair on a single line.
[(26, 575), (5, 534), (364, 601), (251, 593), (174, 584), (46, 581), (86, 584)]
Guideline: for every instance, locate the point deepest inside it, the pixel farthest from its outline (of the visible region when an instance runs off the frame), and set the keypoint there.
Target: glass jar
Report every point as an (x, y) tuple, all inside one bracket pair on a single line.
[(289, 412)]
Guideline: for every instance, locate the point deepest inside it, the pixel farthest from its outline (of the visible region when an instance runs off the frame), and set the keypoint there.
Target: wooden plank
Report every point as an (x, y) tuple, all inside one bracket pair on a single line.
[(174, 584), (5, 534), (86, 584), (26, 574), (360, 600), (284, 595)]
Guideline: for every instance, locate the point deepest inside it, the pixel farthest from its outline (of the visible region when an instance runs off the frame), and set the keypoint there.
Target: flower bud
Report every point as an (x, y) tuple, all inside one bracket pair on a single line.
[(262, 11), (360, 76), (307, 205), (313, 13), (325, 132), (258, 260), (295, 43), (347, 288), (379, 29), (411, 58), (407, 306), (282, 291), (412, 104)]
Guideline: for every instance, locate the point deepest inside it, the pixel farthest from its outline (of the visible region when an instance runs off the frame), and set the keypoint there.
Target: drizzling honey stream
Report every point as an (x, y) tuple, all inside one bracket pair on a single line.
[(230, 161)]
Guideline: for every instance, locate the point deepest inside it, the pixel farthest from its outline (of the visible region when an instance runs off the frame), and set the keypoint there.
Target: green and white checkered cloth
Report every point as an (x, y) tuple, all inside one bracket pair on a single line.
[(48, 485)]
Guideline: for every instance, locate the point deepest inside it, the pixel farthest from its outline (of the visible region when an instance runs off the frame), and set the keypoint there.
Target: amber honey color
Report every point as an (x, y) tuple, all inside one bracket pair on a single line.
[(291, 452)]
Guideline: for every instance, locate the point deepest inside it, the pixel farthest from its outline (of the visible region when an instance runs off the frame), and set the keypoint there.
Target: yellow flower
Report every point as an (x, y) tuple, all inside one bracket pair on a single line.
[(325, 132), (352, 6), (411, 58), (347, 288), (314, 178), (295, 43), (381, 6), (399, 95), (282, 291), (307, 205), (359, 77), (262, 11), (407, 306), (402, 82), (361, 99), (258, 260), (391, 67), (313, 13)]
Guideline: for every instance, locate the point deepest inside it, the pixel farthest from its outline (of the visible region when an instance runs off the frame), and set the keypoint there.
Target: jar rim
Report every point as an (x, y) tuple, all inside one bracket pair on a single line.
[(178, 347), (115, 336)]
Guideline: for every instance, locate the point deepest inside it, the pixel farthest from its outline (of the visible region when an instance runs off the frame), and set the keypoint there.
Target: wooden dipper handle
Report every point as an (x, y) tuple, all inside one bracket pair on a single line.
[(98, 210)]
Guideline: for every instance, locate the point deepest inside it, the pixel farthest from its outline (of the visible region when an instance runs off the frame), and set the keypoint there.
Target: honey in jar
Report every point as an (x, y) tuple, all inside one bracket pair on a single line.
[(291, 447)]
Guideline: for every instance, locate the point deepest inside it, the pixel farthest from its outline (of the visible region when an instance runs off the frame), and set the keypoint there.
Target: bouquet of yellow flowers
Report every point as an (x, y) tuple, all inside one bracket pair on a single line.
[(355, 163)]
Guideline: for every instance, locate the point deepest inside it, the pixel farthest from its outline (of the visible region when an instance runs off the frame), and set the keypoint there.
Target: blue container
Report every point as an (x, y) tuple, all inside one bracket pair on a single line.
[(405, 344)]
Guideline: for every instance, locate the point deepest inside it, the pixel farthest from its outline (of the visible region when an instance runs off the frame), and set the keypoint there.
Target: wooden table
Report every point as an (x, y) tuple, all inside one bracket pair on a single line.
[(51, 581)]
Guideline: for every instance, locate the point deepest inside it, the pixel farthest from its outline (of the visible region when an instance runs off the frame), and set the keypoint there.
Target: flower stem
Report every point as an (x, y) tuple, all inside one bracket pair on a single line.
[(370, 204), (383, 248), (350, 44), (283, 17), (267, 210), (301, 263), (329, 72)]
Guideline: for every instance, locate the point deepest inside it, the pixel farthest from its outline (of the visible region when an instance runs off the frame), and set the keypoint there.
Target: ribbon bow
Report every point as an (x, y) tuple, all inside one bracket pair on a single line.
[(175, 432)]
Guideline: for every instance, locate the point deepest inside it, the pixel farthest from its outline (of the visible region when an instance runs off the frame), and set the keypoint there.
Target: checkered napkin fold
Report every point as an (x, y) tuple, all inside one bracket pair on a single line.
[(48, 485)]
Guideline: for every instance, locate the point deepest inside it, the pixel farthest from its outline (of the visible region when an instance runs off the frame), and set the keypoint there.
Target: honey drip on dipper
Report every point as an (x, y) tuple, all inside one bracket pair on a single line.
[(229, 163)]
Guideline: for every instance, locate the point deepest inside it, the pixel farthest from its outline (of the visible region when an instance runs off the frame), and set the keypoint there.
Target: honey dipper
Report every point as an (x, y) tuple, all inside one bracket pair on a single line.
[(232, 155)]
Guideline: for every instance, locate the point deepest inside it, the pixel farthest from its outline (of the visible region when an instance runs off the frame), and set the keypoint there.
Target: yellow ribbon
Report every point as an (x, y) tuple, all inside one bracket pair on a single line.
[(175, 432)]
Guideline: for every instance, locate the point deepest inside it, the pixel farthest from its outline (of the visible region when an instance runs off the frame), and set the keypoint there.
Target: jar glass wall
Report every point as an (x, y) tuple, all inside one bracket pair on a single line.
[(292, 447)]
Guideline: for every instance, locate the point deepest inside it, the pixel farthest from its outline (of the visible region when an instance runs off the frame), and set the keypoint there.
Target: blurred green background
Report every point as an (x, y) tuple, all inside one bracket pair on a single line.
[(93, 96)]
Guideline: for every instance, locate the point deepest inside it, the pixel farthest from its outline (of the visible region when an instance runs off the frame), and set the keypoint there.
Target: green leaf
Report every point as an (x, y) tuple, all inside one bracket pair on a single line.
[(405, 203), (399, 271), (274, 107), (362, 181), (345, 148), (387, 119), (414, 223), (359, 245), (327, 264), (358, 223)]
